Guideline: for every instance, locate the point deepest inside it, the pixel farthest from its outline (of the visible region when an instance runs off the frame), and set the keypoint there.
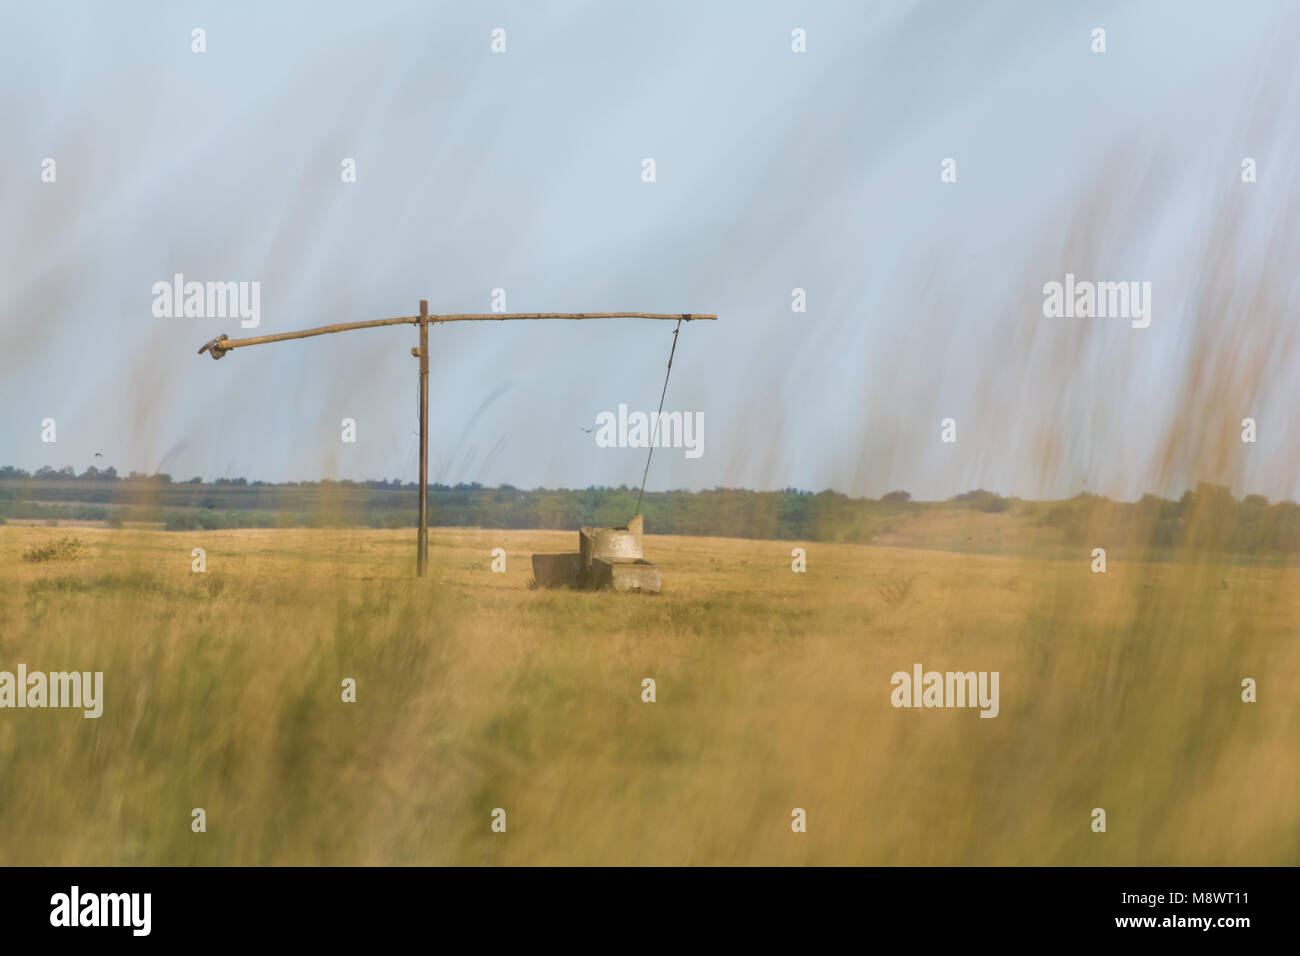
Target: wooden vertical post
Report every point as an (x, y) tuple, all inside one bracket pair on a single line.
[(422, 546)]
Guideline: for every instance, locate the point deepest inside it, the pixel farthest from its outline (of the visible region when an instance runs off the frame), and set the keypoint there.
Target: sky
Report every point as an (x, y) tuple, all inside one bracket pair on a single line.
[(775, 170)]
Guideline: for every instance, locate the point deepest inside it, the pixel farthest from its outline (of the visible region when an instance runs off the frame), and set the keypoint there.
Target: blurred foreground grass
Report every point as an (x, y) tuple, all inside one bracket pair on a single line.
[(222, 691)]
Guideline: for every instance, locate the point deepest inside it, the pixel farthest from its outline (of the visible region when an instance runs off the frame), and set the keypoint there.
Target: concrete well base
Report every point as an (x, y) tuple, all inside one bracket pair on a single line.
[(607, 558)]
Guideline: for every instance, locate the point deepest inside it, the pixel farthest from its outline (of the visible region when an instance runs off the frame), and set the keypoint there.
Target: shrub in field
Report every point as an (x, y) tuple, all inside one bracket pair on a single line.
[(895, 591), (65, 549)]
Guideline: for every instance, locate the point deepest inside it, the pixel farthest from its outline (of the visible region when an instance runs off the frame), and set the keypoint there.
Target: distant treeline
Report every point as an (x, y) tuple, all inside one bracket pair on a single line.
[(1209, 518)]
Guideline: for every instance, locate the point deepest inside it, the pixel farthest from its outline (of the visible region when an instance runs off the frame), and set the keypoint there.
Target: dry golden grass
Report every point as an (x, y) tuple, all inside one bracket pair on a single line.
[(222, 690)]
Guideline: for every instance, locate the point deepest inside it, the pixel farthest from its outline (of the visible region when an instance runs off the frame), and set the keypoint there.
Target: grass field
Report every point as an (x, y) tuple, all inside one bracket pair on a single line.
[(223, 691)]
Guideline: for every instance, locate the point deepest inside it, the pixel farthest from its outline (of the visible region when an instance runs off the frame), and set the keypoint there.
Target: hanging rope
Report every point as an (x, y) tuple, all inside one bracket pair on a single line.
[(655, 438)]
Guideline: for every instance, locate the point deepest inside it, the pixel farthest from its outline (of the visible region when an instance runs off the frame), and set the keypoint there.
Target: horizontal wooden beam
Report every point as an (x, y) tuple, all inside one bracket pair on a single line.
[(500, 316), (221, 345)]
